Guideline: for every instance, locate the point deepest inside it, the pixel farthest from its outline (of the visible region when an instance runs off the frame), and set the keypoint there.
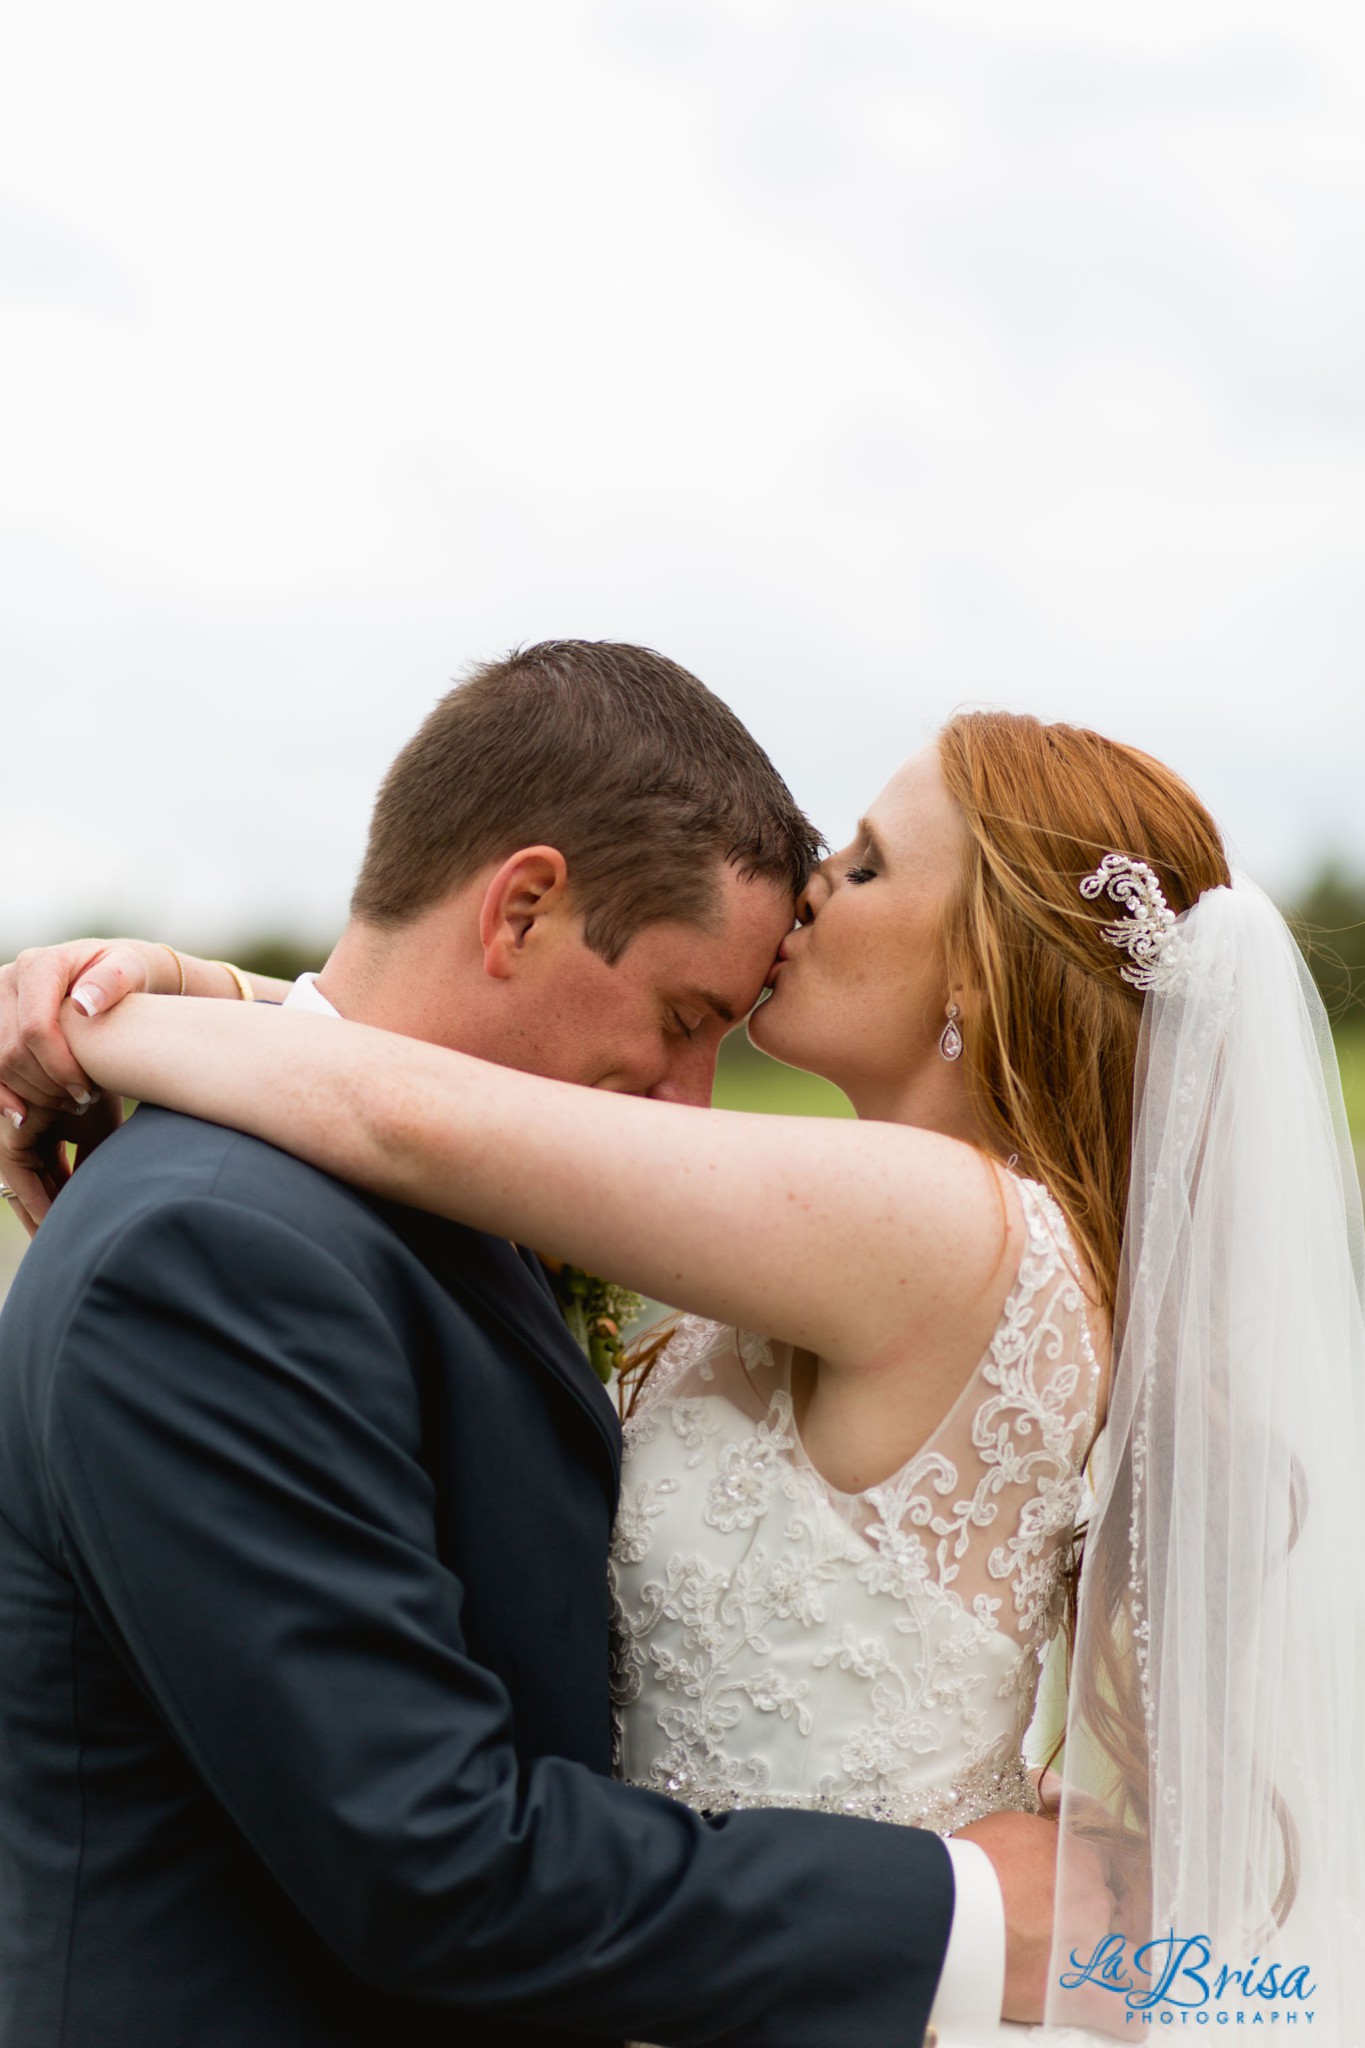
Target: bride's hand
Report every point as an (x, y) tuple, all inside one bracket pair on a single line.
[(38, 1070), (47, 1100)]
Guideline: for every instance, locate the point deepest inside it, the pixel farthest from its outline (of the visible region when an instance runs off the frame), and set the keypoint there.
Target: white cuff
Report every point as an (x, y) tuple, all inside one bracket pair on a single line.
[(971, 1988)]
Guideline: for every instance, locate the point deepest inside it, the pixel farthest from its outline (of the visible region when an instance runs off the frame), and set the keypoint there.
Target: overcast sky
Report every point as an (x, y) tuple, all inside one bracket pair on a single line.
[(868, 358)]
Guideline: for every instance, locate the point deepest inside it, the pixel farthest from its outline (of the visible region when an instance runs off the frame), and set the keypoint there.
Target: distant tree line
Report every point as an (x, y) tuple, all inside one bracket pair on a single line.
[(279, 953), (1328, 920)]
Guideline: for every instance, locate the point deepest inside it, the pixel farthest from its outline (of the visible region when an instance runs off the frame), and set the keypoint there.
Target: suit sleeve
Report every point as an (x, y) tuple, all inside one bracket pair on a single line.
[(235, 1436)]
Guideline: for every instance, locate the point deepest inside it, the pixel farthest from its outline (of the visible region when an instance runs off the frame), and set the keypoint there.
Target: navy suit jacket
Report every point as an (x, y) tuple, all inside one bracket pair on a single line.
[(304, 1729)]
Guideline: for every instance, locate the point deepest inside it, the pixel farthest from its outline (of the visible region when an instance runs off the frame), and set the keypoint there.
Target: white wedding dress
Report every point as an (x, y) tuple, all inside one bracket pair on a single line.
[(780, 1643)]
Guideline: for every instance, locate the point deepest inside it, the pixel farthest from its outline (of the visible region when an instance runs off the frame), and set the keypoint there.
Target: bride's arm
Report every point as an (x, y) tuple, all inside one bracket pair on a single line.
[(852, 1239), (35, 1059)]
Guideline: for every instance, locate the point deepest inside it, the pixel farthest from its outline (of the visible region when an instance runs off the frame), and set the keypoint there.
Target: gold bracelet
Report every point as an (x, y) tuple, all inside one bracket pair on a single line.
[(179, 963), (244, 988)]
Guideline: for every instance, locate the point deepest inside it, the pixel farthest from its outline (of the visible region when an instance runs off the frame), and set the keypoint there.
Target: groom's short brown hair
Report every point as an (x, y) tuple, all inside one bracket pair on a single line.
[(642, 779)]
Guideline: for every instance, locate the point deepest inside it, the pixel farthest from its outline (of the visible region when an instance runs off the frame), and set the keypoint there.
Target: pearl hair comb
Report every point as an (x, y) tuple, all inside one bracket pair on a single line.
[(1143, 933)]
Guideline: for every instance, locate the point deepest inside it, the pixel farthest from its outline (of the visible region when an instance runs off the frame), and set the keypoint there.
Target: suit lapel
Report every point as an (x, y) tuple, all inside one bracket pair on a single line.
[(512, 1290), (536, 1268)]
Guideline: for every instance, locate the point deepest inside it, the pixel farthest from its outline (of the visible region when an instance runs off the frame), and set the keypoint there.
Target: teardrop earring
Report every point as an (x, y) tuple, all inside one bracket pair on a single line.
[(950, 1038)]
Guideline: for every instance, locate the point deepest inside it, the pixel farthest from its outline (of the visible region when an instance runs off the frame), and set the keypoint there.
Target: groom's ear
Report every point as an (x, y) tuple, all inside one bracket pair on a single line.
[(530, 888)]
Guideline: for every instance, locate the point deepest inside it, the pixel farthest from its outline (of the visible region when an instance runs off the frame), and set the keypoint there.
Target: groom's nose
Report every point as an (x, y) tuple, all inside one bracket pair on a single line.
[(689, 1076)]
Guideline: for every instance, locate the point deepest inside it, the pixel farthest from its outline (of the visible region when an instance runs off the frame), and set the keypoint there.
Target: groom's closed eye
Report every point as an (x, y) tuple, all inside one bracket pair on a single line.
[(691, 1011)]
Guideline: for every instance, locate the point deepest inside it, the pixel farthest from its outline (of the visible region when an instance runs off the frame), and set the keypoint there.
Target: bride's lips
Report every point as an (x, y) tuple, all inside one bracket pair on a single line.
[(782, 960)]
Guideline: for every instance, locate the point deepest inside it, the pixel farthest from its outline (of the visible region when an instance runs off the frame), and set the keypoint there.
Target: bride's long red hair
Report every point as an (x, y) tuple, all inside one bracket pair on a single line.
[(1051, 1042)]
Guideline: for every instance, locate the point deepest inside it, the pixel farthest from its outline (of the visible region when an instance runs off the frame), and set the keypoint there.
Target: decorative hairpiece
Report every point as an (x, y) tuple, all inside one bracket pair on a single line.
[(1145, 932)]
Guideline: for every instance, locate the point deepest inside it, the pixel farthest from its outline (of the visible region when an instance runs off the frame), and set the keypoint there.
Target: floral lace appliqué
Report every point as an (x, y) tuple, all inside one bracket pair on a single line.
[(778, 1643)]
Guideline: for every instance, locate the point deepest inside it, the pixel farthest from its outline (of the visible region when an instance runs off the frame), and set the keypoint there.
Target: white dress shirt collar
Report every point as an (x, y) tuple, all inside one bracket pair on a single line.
[(306, 995)]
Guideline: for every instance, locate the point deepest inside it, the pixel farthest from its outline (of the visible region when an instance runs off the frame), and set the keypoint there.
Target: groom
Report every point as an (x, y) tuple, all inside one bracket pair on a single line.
[(305, 1501)]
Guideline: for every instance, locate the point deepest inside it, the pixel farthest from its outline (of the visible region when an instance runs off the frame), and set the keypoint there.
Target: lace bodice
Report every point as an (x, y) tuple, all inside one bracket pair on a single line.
[(781, 1643)]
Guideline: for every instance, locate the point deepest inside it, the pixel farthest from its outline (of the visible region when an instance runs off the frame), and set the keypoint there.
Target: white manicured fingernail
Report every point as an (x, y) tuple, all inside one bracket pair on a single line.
[(15, 1118), (89, 998), (81, 1099)]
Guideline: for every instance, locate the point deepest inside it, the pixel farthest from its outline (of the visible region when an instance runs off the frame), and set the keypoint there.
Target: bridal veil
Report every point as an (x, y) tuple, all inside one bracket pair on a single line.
[(1215, 1744)]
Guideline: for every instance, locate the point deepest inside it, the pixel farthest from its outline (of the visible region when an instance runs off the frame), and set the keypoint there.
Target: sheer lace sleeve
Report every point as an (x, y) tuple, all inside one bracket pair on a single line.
[(1015, 1442)]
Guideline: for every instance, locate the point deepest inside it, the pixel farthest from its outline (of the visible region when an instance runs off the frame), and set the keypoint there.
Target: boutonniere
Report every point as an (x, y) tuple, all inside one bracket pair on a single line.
[(597, 1313)]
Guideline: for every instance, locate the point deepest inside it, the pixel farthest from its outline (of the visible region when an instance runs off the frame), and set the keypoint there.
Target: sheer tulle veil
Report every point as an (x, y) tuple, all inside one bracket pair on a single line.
[(1215, 1746)]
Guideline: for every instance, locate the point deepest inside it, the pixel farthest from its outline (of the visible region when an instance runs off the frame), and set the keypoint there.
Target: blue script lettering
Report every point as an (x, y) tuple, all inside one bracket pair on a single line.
[(1169, 1961), (1102, 1968), (1172, 1972)]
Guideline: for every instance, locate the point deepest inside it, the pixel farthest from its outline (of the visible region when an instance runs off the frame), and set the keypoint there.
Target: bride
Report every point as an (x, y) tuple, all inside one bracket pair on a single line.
[(1090, 1260)]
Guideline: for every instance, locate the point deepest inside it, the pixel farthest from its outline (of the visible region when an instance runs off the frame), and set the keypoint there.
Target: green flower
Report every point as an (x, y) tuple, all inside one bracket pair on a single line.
[(597, 1312)]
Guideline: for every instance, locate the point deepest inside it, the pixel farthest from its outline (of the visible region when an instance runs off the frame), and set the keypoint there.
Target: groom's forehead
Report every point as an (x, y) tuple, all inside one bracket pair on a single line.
[(720, 958)]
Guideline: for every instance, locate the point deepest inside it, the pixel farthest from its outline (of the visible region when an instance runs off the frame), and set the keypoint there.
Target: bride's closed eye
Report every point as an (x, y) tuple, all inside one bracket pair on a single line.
[(860, 874)]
